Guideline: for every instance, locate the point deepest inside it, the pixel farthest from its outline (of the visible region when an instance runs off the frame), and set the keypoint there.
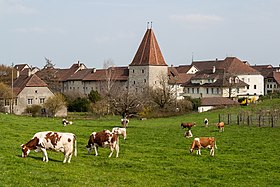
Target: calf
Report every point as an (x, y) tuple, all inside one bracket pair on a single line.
[(203, 142), (103, 139), (188, 134), (188, 125), (65, 122), (124, 122), (120, 131), (206, 122), (221, 126), (56, 141)]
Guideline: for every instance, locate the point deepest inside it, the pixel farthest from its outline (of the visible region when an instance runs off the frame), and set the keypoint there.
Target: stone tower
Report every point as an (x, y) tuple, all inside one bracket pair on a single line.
[(148, 65)]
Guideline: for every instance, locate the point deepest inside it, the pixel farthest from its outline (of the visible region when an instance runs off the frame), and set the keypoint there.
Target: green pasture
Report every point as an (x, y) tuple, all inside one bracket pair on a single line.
[(155, 154)]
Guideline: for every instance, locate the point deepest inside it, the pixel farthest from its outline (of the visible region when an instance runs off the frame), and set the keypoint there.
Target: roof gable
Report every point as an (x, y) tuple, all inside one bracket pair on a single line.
[(148, 52)]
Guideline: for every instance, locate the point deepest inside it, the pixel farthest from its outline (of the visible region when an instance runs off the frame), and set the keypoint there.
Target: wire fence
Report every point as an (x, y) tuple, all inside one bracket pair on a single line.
[(264, 118)]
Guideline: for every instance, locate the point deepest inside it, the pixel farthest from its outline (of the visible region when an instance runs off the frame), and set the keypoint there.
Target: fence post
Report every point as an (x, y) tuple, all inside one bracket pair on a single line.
[(228, 119), (237, 119), (248, 120), (272, 120), (219, 118)]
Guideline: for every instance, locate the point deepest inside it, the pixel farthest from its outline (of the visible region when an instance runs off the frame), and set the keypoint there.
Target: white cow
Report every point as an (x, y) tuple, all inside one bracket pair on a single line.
[(120, 131), (49, 140)]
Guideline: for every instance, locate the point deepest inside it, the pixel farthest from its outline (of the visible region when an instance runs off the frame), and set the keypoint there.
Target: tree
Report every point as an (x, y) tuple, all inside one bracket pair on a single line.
[(5, 94), (109, 83), (163, 93), (55, 103), (94, 96)]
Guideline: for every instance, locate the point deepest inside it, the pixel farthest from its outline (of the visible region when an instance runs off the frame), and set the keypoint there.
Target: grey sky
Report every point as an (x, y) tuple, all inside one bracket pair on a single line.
[(93, 31)]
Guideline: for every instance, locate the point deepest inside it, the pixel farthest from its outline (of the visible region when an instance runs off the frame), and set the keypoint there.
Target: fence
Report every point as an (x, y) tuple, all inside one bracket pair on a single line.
[(265, 118)]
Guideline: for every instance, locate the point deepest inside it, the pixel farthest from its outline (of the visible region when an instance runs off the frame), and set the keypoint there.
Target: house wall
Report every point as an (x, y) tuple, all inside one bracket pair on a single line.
[(31, 96), (204, 108), (270, 86), (255, 82)]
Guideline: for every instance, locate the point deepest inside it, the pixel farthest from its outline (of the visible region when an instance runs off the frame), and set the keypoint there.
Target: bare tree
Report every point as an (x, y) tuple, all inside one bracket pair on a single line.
[(163, 93), (109, 83)]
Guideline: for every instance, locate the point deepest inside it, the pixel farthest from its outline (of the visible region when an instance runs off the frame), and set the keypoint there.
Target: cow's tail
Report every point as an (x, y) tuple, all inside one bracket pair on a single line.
[(75, 149)]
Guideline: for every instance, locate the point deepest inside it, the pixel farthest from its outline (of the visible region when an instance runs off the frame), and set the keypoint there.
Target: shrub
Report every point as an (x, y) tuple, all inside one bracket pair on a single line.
[(34, 110)]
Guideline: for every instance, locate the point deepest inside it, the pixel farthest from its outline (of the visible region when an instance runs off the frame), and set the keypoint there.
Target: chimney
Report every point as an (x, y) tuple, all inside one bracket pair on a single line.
[(78, 63), (93, 70), (17, 71), (214, 69), (29, 72)]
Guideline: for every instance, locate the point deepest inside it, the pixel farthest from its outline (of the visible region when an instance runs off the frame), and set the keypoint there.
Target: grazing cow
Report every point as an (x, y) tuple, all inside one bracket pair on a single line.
[(188, 125), (56, 141), (66, 122), (206, 122), (120, 131), (221, 126), (104, 139), (124, 122), (188, 134), (203, 142)]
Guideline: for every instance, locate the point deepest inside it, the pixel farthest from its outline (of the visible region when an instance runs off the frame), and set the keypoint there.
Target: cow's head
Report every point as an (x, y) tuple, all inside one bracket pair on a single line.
[(191, 150), (25, 151)]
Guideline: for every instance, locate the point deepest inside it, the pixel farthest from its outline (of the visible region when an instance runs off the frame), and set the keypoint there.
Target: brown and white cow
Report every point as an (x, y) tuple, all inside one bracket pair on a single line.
[(49, 140), (124, 122), (104, 139), (221, 126), (120, 131), (203, 142), (188, 125), (188, 134)]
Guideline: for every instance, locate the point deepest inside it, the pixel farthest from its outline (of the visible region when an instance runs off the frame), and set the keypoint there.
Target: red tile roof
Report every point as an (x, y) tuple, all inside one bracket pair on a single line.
[(118, 73), (148, 52), (230, 65), (27, 81)]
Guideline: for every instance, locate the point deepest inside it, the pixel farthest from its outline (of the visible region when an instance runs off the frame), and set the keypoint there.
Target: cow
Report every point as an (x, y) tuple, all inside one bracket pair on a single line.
[(49, 140), (206, 121), (188, 134), (124, 122), (203, 142), (188, 125), (104, 139), (66, 122), (221, 126), (120, 131)]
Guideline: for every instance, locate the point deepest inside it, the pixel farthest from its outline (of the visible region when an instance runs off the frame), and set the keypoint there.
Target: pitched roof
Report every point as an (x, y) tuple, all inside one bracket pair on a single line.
[(148, 52), (183, 68), (27, 81), (118, 73), (217, 101), (229, 64), (177, 78), (276, 76)]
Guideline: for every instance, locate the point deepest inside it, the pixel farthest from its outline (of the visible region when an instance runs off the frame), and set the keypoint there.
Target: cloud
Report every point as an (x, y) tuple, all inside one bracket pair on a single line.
[(197, 19), (15, 7)]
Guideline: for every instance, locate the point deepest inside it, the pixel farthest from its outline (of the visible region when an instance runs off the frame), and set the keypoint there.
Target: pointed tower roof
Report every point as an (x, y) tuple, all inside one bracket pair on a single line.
[(148, 53)]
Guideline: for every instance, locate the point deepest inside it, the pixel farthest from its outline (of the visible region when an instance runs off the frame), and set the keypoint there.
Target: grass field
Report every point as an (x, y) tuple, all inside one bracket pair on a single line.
[(154, 154)]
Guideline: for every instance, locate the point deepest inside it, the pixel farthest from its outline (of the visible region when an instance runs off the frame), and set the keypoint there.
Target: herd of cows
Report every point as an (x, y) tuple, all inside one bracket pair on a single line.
[(67, 143), (202, 142)]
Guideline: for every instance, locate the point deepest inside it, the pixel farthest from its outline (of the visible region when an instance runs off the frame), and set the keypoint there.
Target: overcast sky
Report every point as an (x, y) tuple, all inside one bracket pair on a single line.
[(94, 31)]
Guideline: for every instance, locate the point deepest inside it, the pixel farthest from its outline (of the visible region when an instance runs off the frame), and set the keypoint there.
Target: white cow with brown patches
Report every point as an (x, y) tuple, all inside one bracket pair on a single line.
[(203, 142), (49, 140), (120, 131), (221, 126), (104, 139)]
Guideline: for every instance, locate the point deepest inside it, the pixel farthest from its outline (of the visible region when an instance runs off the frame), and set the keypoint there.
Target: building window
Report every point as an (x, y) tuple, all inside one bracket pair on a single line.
[(142, 71), (42, 100), (29, 101), (207, 91), (70, 87), (145, 80), (237, 90), (133, 71), (188, 90), (36, 91), (255, 86), (197, 90), (192, 90), (212, 90), (267, 86), (248, 87), (248, 79), (133, 82), (271, 86), (218, 91), (7, 102), (274, 85)]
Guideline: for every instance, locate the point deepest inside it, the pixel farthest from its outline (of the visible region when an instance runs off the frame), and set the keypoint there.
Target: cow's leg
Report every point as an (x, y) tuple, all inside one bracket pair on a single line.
[(117, 150), (112, 147), (67, 157), (95, 150), (45, 155), (212, 151)]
